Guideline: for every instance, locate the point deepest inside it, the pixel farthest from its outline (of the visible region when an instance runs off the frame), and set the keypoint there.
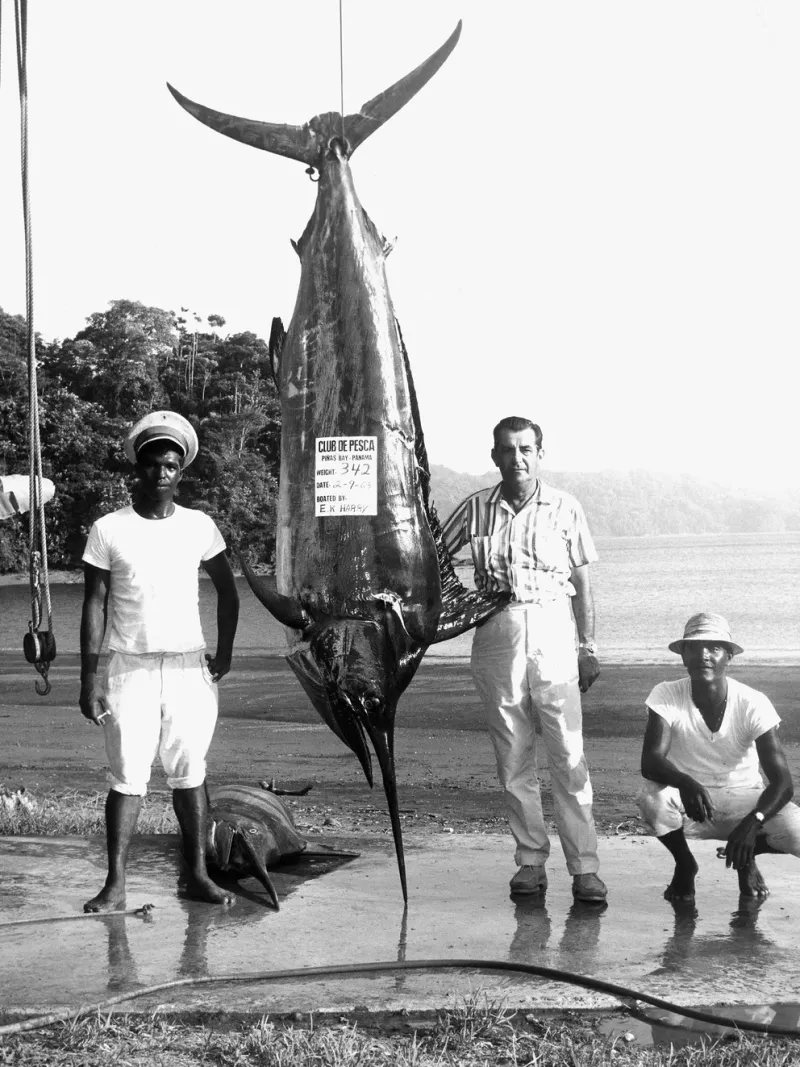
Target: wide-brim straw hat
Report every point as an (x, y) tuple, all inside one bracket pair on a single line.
[(162, 426), (705, 626)]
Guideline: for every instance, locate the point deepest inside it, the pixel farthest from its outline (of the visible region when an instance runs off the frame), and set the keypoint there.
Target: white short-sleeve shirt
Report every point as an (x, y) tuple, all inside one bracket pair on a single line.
[(727, 758), (154, 590)]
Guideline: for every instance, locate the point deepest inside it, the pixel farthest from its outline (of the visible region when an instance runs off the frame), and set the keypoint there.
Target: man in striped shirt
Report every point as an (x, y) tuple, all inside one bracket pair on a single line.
[(533, 541)]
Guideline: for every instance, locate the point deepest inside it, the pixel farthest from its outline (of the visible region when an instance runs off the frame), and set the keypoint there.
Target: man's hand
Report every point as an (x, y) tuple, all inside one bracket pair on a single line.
[(740, 849), (588, 669), (93, 704), (696, 801), (218, 665)]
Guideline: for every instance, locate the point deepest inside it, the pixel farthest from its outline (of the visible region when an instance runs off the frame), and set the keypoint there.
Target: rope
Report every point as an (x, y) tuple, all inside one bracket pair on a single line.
[(145, 909), (37, 544), (623, 993), (341, 72)]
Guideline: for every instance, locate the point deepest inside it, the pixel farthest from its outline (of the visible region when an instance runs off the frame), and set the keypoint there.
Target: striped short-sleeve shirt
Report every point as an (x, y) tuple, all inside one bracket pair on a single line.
[(529, 553)]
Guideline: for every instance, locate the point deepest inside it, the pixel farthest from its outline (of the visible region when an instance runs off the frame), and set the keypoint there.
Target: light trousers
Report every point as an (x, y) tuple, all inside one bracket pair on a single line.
[(160, 705), (524, 662), (662, 810)]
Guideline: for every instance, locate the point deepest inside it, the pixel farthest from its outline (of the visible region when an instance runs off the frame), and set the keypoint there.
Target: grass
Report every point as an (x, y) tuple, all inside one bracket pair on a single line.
[(474, 1033), (58, 814)]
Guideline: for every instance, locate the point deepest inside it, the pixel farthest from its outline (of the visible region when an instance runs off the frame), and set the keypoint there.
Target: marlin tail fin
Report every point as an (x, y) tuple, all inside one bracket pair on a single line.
[(306, 143)]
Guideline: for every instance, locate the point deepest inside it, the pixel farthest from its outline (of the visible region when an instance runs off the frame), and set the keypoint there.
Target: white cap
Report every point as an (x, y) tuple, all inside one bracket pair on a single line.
[(163, 426)]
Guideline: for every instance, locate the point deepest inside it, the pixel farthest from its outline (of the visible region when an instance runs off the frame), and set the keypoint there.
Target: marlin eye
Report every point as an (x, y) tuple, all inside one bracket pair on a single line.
[(252, 830)]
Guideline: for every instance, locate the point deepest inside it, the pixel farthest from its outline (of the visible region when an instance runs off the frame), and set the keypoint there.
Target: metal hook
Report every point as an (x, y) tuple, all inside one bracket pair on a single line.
[(310, 173), (42, 688)]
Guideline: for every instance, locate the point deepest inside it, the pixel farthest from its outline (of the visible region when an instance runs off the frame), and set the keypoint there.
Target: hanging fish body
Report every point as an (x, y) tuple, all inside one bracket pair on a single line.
[(362, 590)]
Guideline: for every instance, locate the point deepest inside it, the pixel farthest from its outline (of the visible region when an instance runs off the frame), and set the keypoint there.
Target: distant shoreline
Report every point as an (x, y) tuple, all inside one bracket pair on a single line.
[(57, 577)]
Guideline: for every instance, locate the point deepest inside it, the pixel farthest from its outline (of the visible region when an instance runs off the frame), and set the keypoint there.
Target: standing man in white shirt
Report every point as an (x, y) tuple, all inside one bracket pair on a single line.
[(537, 654), (705, 738), (159, 696)]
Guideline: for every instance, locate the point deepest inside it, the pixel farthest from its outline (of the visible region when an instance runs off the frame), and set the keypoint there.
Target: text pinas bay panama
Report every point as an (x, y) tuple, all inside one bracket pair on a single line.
[(346, 476)]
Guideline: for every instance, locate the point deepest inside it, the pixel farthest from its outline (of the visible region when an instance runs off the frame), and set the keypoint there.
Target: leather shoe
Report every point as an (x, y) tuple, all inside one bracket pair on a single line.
[(589, 888), (529, 879)]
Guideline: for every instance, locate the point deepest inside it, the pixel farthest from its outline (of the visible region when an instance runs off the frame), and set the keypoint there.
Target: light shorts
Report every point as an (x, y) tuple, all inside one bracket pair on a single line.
[(159, 705), (662, 810)]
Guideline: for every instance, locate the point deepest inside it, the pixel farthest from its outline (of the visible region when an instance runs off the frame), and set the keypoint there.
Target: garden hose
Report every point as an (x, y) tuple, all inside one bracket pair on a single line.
[(597, 984)]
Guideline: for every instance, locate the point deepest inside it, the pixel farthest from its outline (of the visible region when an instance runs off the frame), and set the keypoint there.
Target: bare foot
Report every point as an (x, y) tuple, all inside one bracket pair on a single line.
[(751, 883), (110, 898), (201, 887), (681, 888)]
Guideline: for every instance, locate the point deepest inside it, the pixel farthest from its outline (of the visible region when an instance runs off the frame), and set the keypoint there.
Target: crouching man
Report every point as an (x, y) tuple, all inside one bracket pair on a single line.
[(705, 738)]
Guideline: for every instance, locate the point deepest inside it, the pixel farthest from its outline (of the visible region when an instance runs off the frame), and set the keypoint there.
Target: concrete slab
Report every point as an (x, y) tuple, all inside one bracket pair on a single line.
[(347, 912)]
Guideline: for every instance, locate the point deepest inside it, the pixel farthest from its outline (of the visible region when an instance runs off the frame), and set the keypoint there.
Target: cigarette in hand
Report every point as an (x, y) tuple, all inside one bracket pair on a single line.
[(103, 716)]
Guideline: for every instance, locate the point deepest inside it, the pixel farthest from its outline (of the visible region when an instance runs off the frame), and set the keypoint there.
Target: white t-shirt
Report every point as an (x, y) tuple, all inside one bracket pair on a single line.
[(154, 590), (727, 758)]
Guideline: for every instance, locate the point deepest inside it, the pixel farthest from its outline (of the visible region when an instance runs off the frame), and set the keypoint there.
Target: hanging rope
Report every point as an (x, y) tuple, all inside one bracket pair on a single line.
[(38, 644), (341, 71)]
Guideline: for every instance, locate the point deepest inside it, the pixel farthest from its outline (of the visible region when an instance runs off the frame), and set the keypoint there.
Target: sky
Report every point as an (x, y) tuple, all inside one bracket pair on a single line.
[(594, 203)]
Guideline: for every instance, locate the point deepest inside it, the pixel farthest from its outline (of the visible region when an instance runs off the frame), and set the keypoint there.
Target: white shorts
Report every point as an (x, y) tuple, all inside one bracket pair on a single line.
[(662, 810), (160, 705)]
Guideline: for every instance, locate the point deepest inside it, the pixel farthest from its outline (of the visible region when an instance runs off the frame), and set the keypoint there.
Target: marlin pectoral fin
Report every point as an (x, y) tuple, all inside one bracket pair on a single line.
[(464, 612), (322, 852), (222, 835), (376, 111), (285, 609)]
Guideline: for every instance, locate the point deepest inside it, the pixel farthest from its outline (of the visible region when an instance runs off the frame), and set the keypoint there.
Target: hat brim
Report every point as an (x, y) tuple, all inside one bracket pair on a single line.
[(149, 437), (677, 646), (182, 437)]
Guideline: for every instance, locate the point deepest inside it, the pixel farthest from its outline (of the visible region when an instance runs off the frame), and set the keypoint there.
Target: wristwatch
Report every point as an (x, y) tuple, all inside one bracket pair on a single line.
[(759, 816), (589, 646)]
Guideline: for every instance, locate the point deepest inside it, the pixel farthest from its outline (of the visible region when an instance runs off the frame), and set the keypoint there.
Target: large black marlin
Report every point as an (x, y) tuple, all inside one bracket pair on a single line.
[(362, 589)]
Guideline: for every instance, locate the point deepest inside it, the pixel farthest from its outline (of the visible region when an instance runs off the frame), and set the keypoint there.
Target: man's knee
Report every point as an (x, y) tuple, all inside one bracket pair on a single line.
[(782, 832), (660, 808)]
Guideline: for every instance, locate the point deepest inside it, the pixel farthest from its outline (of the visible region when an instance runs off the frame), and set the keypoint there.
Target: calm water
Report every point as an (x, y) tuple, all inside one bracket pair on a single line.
[(645, 589)]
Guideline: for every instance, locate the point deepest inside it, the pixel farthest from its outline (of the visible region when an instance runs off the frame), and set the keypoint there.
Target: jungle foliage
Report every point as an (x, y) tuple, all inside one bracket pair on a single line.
[(132, 359), (127, 361)]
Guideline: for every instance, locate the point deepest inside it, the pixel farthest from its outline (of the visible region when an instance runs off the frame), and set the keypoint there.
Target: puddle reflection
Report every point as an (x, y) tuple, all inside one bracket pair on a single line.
[(122, 972), (690, 948), (578, 945), (201, 920), (743, 952), (654, 1026)]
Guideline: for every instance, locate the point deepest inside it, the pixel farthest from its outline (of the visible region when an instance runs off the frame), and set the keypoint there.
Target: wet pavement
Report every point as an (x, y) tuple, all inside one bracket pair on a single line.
[(345, 912)]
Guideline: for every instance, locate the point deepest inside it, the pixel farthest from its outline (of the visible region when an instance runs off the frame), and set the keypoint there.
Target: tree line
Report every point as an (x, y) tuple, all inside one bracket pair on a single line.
[(132, 359), (636, 503), (127, 361)]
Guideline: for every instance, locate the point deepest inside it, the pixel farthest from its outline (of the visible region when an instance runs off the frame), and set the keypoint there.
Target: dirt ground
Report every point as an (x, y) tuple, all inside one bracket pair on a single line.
[(445, 765)]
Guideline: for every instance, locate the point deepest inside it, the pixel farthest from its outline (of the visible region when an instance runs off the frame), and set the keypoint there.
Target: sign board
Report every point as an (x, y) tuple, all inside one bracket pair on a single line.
[(346, 476)]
